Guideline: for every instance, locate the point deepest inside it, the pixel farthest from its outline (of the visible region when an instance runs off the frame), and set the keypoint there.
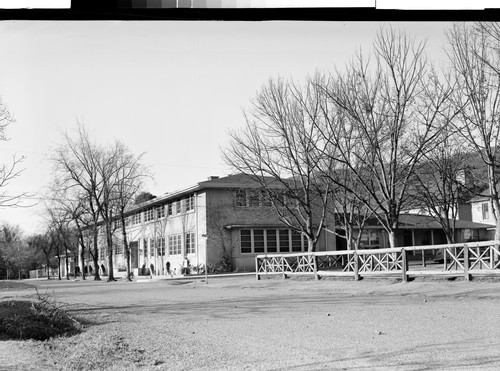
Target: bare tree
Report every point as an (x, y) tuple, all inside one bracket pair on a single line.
[(76, 167), (8, 171), (278, 149), (129, 176), (475, 60), (441, 184), (392, 109)]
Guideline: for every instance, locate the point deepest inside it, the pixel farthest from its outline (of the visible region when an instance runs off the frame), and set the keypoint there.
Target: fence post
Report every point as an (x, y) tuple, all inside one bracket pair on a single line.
[(356, 265), (257, 268), (466, 262), (404, 270), (315, 267), (283, 266)]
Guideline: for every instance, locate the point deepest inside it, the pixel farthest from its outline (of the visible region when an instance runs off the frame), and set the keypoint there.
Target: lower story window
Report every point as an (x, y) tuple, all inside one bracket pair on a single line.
[(102, 253), (190, 246), (174, 244), (152, 247), (246, 241), (259, 241), (160, 245)]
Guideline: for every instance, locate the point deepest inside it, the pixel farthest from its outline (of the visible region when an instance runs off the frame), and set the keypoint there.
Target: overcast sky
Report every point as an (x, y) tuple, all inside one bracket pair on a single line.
[(169, 89)]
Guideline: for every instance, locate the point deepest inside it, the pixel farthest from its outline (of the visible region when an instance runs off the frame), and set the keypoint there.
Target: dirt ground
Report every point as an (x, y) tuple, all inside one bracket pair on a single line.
[(243, 324)]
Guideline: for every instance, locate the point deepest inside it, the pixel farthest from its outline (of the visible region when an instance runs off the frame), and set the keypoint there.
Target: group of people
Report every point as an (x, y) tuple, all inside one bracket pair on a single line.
[(168, 270)]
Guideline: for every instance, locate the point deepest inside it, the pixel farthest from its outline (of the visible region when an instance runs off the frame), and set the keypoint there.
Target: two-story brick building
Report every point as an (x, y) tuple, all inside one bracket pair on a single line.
[(220, 218)]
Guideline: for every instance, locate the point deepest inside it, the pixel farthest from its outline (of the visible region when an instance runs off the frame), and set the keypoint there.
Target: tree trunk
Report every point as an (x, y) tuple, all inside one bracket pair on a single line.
[(392, 239), (48, 267), (126, 247), (310, 244), (59, 266), (66, 260), (109, 240), (95, 257), (82, 255)]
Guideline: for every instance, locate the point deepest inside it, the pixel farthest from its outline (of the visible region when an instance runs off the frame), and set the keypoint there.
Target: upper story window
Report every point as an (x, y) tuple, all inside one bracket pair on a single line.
[(149, 215), (251, 198), (135, 219), (485, 209), (170, 209), (178, 207), (189, 203), (240, 197), (160, 212)]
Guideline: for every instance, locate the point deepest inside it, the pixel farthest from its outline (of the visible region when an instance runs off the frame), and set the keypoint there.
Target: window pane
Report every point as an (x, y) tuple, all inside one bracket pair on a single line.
[(253, 198), (374, 238), (271, 240), (284, 240), (240, 197), (246, 241), (258, 240), (296, 241)]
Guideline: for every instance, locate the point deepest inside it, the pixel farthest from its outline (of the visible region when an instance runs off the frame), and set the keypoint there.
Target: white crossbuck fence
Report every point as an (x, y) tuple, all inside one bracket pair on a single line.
[(464, 259)]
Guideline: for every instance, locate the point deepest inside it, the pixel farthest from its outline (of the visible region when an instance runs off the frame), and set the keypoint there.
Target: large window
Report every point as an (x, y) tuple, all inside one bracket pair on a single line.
[(174, 245), (271, 241), (246, 241), (296, 241), (160, 245), (284, 242), (259, 241), (190, 246)]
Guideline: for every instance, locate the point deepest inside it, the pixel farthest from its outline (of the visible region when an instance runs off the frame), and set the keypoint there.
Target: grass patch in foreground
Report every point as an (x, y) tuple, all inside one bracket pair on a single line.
[(39, 319)]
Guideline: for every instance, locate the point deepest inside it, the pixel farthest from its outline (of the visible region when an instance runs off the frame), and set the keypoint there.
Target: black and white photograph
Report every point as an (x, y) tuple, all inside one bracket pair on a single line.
[(195, 189)]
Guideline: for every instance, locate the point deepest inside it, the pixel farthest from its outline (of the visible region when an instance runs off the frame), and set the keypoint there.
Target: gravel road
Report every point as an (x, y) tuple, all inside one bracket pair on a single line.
[(243, 324)]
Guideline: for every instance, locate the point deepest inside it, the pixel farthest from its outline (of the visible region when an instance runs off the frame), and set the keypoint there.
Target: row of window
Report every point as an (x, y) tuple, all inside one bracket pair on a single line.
[(259, 241), (174, 245), (158, 212), (157, 246), (260, 198)]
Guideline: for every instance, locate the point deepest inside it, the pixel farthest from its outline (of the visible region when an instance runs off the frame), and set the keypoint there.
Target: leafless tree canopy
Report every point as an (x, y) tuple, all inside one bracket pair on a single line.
[(280, 148), (474, 55), (9, 171), (97, 184)]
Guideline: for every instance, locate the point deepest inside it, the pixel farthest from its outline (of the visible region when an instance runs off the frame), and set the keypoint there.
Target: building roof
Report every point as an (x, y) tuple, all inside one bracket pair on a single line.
[(213, 182), (414, 221)]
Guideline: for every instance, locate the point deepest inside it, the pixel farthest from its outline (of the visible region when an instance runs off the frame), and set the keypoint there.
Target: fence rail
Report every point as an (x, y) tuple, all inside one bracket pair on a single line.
[(463, 259)]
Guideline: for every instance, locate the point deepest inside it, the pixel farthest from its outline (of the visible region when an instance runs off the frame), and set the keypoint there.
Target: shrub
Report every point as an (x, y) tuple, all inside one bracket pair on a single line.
[(39, 319)]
